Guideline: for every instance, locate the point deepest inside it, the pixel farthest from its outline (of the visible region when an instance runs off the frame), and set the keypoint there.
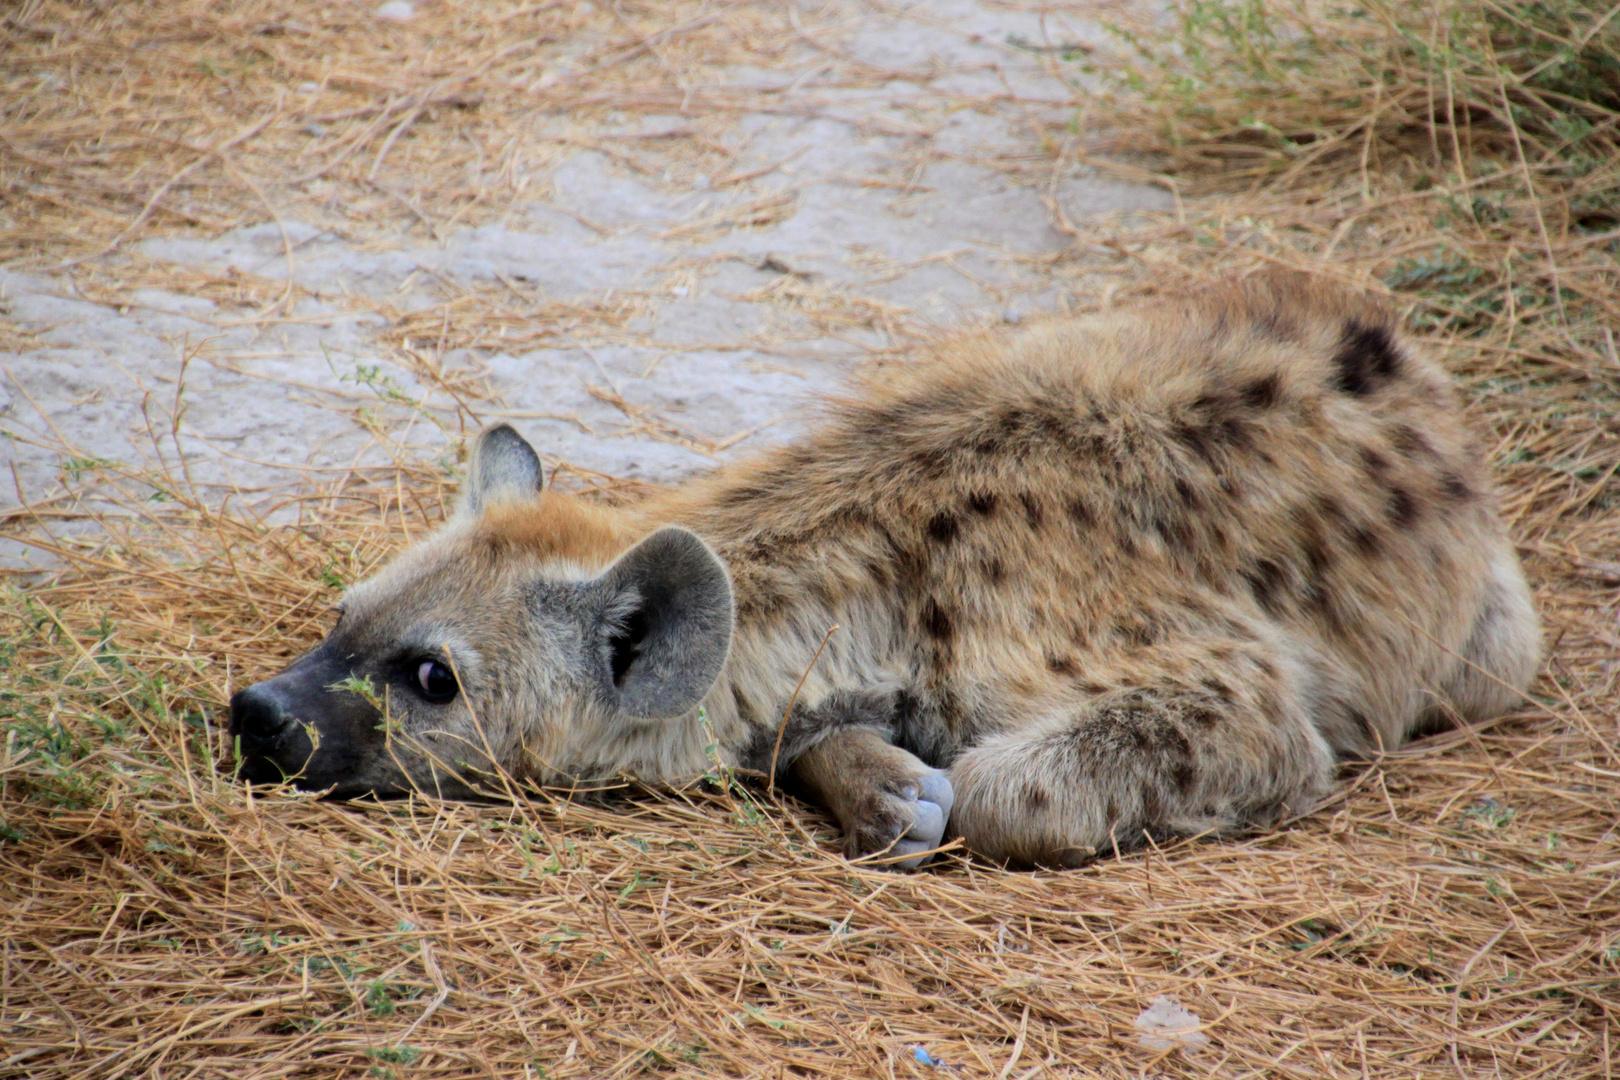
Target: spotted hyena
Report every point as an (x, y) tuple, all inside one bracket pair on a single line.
[(1143, 574)]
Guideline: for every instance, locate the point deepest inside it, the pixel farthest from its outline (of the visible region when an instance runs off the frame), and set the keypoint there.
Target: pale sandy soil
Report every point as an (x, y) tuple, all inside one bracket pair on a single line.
[(898, 186)]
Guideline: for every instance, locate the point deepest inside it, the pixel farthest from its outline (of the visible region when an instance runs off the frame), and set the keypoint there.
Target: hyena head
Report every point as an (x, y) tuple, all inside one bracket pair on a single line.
[(531, 634)]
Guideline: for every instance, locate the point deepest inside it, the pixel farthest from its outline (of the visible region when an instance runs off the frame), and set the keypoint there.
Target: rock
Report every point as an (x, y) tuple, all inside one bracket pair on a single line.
[(1166, 1025)]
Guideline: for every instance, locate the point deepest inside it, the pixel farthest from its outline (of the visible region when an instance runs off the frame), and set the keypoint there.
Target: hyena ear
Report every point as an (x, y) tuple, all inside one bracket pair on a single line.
[(503, 466), (667, 616)]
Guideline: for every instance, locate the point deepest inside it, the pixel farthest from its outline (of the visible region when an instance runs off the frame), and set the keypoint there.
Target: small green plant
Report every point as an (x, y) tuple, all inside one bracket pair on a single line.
[(362, 685), (371, 376), (379, 998), (260, 944), (636, 882), (1489, 813), (76, 467)]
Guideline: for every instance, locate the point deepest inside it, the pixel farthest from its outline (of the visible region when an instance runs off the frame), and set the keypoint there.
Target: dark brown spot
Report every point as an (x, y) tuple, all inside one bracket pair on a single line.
[(984, 443), (1140, 631), (1455, 487), (1330, 508), (1032, 509), (1035, 797), (934, 461), (1236, 432), (937, 621), (1262, 393), (1409, 442), (1060, 665), (910, 563), (1177, 532), (942, 528), (1184, 491), (1403, 508), (982, 503), (1195, 439), (1374, 462), (1318, 557), (1266, 582), (1366, 541), (1081, 513), (1183, 773), (995, 571), (1366, 359), (1013, 421), (743, 495), (881, 422), (1218, 688), (1091, 686)]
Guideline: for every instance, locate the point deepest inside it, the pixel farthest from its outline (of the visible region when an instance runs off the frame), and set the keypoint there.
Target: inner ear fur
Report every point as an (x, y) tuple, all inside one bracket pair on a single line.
[(666, 624), (503, 466)]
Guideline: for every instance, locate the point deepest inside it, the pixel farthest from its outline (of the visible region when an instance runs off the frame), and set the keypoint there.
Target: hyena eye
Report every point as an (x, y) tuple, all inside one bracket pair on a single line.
[(435, 681)]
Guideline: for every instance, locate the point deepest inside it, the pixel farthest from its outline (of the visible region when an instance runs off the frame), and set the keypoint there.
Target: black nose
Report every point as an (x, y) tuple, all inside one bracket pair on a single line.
[(258, 721)]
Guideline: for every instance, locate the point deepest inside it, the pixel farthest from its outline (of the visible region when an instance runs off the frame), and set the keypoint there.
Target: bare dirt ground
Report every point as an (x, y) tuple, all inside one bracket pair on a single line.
[(653, 292)]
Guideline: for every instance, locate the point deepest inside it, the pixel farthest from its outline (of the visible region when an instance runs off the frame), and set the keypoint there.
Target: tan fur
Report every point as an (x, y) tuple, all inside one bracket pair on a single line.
[(556, 526), (1148, 573)]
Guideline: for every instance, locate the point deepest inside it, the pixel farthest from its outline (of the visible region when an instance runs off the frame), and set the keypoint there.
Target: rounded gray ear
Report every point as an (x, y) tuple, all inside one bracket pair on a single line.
[(667, 618), (504, 466)]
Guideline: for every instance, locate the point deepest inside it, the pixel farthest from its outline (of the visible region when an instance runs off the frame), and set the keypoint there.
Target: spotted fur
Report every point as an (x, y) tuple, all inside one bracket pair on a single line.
[(1144, 574)]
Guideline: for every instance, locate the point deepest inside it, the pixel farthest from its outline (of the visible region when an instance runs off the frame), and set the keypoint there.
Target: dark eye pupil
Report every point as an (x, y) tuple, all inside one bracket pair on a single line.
[(436, 681)]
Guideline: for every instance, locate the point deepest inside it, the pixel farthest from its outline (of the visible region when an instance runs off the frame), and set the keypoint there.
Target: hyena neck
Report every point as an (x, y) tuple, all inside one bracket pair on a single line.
[(814, 646), (788, 683), (803, 649)]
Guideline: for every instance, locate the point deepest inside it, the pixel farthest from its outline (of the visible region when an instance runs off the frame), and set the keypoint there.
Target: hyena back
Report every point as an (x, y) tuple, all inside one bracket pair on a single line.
[(1140, 575)]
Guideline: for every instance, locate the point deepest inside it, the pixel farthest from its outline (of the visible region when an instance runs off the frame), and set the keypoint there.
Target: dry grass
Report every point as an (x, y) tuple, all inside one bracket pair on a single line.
[(1453, 912), (120, 121)]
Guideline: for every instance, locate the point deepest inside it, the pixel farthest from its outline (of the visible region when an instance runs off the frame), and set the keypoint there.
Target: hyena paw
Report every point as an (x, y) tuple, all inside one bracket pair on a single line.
[(905, 819)]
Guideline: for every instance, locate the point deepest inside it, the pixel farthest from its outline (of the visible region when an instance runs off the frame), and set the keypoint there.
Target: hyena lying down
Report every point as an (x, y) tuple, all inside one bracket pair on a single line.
[(1138, 575)]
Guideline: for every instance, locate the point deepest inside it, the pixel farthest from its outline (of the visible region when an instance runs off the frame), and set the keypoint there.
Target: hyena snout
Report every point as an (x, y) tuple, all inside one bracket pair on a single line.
[(303, 725), (259, 720)]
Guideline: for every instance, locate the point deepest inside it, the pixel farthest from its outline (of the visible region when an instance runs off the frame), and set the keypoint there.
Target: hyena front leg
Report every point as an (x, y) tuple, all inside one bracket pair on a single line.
[(1221, 748), (886, 800)]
